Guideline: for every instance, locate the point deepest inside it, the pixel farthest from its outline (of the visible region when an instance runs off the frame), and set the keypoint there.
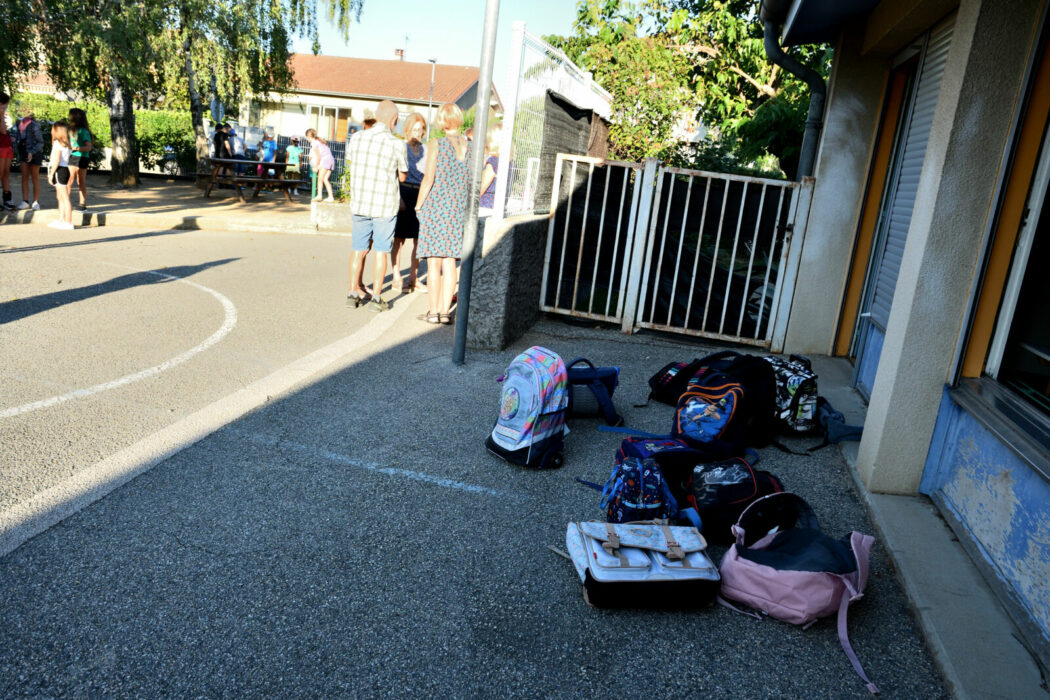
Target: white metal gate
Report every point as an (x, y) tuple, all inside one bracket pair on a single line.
[(685, 251)]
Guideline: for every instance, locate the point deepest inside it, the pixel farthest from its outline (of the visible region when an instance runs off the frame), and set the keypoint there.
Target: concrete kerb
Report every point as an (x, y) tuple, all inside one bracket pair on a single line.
[(968, 633), (101, 217)]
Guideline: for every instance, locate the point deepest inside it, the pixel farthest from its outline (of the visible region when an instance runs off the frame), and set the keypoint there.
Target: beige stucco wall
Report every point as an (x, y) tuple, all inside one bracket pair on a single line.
[(850, 124), (979, 97)]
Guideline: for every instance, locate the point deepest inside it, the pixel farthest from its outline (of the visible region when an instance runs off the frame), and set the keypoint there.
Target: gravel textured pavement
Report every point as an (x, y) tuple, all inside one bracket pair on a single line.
[(352, 537)]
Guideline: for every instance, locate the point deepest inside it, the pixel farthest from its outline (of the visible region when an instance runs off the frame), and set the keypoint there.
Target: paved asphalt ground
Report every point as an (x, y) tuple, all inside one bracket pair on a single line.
[(350, 536)]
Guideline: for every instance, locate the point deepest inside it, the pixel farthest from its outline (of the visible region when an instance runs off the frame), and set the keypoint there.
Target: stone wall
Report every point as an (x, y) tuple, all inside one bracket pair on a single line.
[(505, 290)]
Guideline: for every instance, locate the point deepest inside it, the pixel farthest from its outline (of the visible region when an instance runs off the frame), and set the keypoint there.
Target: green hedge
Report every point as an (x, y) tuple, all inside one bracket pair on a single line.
[(155, 129)]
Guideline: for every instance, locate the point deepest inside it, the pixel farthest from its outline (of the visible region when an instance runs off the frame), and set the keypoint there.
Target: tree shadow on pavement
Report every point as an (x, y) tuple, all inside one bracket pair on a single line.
[(22, 308), (89, 241)]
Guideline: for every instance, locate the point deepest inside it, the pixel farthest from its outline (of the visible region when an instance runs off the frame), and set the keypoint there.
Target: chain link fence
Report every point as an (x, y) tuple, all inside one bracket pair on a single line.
[(536, 69)]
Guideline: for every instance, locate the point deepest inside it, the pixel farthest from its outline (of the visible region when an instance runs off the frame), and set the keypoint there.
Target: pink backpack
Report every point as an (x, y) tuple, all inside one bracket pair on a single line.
[(784, 565)]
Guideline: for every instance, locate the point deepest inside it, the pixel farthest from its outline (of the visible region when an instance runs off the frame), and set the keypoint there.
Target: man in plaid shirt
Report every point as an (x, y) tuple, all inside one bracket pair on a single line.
[(377, 162)]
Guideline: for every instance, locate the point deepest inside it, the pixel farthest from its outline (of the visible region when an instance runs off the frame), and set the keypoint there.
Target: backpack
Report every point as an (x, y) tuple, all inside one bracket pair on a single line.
[(720, 491), (636, 489), (757, 379), (530, 428), (669, 383), (711, 415), (783, 564), (601, 381), (641, 565), (796, 393)]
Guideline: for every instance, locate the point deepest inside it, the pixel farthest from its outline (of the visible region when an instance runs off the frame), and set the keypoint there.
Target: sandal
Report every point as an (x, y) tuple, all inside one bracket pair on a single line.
[(445, 319), (429, 318)]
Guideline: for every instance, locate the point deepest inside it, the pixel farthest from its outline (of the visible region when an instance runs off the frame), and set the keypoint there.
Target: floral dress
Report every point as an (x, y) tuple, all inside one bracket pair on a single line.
[(441, 216)]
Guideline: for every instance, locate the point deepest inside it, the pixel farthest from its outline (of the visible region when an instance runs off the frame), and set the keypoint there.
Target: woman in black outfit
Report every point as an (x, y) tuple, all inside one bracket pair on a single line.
[(407, 230)]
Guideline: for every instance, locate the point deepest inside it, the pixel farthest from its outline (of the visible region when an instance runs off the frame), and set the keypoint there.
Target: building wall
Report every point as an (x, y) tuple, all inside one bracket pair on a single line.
[(288, 114), (854, 99), (979, 96), (1000, 502)]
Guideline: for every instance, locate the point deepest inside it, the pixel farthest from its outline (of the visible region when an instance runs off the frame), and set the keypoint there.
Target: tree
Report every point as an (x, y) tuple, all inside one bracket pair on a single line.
[(18, 53), (244, 46), (125, 51), (105, 51), (714, 50)]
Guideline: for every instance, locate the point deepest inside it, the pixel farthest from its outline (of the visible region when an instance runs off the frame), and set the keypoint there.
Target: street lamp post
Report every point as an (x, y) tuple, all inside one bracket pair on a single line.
[(430, 106)]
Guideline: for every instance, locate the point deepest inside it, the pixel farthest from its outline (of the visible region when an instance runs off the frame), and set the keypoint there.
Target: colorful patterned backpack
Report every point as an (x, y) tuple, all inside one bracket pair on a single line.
[(636, 489), (530, 428), (796, 397), (711, 416)]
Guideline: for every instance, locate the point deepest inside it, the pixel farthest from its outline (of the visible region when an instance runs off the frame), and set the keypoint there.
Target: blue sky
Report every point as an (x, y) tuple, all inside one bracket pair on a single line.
[(448, 30)]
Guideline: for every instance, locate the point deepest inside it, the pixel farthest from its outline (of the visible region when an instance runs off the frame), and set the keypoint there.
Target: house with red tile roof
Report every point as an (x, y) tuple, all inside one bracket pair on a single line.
[(335, 94)]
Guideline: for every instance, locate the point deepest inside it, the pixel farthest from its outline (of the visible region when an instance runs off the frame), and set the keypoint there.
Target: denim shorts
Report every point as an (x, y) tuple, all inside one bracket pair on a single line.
[(378, 230)]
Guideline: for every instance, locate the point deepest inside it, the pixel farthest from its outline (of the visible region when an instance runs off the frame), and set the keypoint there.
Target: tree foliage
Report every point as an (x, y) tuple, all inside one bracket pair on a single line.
[(662, 59), (128, 52)]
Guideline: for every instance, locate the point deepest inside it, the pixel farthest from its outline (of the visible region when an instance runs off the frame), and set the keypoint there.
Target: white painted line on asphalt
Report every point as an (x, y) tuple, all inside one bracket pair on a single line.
[(228, 323), (338, 458), (40, 512)]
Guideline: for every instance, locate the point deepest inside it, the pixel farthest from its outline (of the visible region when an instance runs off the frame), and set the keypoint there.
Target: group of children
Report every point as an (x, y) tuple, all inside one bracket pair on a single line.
[(71, 144)]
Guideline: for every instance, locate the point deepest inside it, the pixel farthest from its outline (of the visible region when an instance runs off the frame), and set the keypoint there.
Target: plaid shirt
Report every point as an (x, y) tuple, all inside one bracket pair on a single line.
[(375, 156)]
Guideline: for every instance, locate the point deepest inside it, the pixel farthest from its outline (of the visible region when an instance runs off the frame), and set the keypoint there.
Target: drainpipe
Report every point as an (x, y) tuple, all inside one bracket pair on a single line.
[(818, 91)]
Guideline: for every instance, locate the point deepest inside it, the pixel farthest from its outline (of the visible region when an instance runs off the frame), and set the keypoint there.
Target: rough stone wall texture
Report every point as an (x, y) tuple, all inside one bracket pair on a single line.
[(505, 289)]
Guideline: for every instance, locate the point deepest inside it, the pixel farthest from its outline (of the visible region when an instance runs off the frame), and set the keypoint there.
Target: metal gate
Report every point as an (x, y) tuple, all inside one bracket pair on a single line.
[(685, 251)]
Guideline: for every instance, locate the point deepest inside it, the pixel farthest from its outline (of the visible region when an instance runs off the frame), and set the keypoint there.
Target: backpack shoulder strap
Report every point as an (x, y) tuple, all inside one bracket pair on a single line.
[(605, 403), (861, 545), (848, 648)]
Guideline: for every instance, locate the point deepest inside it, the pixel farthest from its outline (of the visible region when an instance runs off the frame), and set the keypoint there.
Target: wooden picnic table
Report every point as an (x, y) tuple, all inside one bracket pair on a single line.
[(251, 180)]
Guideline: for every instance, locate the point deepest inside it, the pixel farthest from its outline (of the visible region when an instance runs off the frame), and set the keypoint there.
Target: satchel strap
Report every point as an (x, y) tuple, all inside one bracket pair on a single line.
[(612, 545), (674, 550)]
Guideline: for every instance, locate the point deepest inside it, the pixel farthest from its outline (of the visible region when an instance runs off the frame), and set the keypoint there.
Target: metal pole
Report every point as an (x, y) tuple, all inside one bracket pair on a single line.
[(477, 165), (430, 106)]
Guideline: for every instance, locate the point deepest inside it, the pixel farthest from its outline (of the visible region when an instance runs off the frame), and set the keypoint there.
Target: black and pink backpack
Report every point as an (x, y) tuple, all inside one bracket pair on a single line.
[(784, 565)]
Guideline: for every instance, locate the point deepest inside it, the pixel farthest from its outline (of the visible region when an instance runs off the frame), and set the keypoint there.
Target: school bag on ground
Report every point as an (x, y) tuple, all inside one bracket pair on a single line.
[(531, 427), (712, 415), (591, 390), (834, 425), (796, 396), (783, 564), (669, 383), (641, 565), (720, 491), (638, 488), (758, 381)]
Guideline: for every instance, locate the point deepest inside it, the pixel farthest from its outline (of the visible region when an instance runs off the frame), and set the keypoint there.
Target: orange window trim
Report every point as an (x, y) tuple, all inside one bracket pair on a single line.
[(870, 213), (1026, 157)]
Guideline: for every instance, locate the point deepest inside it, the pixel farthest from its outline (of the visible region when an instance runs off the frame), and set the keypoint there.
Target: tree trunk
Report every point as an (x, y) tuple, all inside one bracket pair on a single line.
[(124, 162), (196, 105)]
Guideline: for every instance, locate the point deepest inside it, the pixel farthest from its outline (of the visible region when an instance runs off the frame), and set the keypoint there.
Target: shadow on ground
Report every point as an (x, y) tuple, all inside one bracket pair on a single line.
[(354, 537)]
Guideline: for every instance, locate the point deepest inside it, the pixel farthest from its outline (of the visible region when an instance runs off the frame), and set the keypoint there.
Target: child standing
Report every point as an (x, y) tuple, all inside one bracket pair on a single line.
[(295, 155), (81, 142), (30, 154), (7, 152), (58, 174), (322, 161)]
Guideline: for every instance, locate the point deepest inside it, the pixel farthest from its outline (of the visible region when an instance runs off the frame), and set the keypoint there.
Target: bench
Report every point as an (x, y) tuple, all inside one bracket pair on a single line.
[(238, 181)]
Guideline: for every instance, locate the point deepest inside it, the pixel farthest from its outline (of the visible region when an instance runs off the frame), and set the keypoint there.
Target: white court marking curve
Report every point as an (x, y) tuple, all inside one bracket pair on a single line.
[(228, 323)]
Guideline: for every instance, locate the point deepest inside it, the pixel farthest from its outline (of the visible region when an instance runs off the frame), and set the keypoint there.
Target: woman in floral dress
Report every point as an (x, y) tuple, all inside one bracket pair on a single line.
[(441, 207)]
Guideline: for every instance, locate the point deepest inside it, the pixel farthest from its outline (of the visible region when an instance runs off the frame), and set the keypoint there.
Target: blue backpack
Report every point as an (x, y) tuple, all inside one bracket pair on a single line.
[(711, 416), (637, 489)]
